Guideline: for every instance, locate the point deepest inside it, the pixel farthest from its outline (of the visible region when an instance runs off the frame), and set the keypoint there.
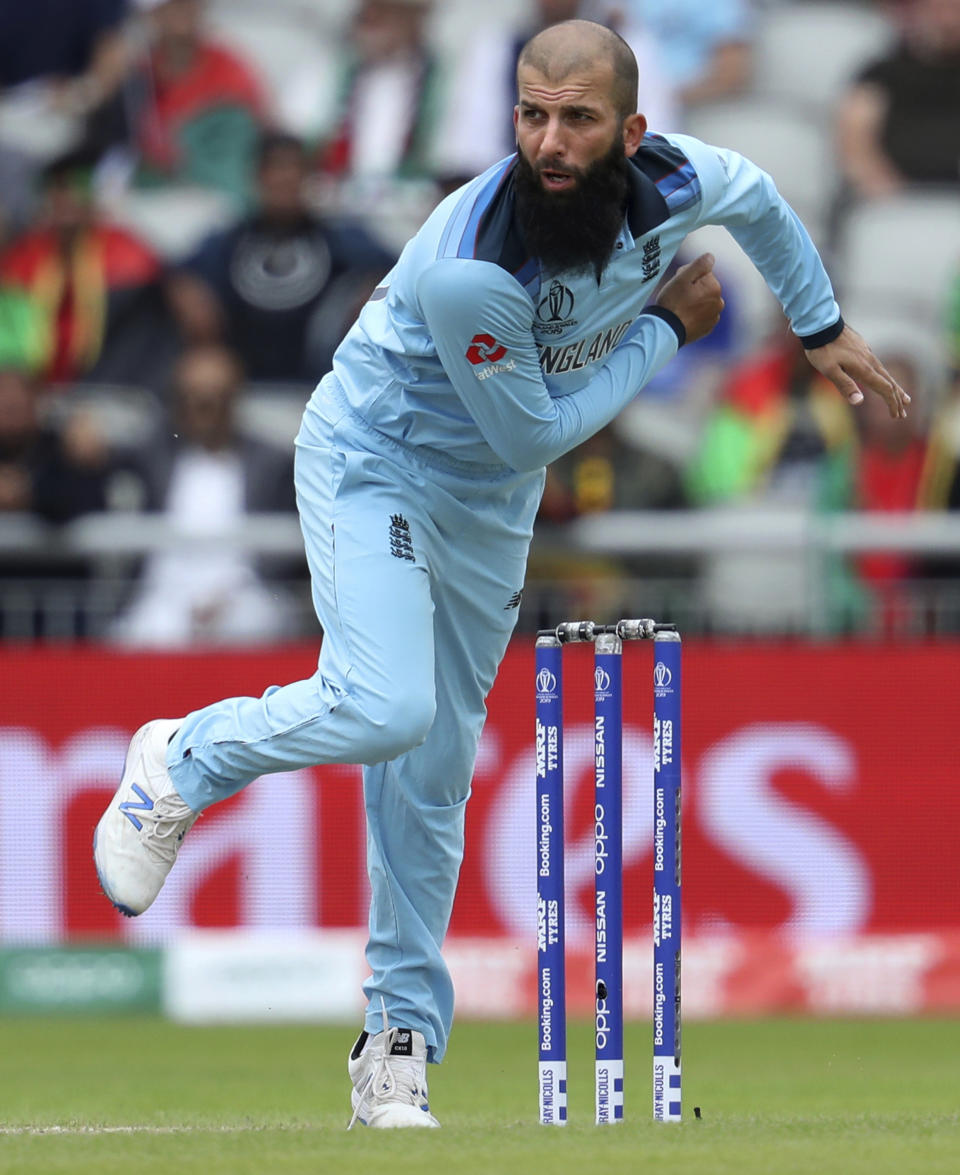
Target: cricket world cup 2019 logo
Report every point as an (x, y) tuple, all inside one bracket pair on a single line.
[(601, 681), (555, 308), (662, 677), (557, 305), (546, 686)]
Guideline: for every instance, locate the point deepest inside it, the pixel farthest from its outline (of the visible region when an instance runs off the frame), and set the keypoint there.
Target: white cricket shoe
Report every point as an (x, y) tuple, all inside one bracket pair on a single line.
[(136, 842), (389, 1074)]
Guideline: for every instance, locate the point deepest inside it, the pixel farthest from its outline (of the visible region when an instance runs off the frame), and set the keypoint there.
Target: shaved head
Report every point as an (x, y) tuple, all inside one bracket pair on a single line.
[(579, 46)]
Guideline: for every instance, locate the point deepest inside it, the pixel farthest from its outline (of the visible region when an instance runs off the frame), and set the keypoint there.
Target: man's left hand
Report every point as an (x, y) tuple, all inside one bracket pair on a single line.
[(850, 364)]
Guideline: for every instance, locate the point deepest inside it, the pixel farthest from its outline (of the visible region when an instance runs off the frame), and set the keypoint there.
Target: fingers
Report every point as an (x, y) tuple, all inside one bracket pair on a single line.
[(695, 296), (896, 398), (879, 380), (847, 386), (699, 267)]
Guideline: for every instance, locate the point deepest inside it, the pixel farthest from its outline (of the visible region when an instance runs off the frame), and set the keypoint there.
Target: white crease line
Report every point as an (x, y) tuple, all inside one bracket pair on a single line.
[(143, 1129)]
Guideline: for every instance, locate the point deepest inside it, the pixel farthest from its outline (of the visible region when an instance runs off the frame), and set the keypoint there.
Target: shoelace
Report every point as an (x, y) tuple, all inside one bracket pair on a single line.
[(172, 819), (390, 1074)]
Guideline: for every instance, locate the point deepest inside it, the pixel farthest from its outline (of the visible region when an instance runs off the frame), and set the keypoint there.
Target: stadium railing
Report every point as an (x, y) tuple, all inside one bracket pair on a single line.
[(739, 570)]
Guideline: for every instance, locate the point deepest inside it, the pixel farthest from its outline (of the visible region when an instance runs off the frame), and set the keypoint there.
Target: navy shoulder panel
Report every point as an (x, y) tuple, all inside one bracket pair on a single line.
[(663, 182), (484, 227), (670, 170)]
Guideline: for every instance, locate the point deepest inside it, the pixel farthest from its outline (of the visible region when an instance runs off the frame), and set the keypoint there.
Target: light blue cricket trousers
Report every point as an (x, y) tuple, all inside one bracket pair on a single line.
[(415, 569)]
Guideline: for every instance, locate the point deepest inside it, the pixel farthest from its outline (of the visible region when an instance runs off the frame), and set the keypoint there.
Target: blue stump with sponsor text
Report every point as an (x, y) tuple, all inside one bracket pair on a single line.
[(608, 876), (666, 877), (551, 942)]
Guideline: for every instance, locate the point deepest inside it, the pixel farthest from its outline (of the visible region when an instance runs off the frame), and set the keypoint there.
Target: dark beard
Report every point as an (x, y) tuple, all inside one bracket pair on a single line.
[(577, 229)]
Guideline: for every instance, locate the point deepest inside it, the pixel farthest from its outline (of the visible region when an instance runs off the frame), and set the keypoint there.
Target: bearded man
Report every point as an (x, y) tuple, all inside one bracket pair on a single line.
[(514, 326)]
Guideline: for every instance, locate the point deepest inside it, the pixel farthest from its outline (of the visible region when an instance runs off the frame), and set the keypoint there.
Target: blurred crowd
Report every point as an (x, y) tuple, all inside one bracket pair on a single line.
[(197, 196)]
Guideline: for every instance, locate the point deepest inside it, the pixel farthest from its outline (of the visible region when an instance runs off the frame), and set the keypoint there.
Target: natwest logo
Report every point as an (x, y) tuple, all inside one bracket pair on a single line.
[(485, 349)]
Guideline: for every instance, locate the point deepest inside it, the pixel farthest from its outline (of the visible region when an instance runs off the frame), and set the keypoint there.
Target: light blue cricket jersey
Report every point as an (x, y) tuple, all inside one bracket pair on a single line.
[(471, 353)]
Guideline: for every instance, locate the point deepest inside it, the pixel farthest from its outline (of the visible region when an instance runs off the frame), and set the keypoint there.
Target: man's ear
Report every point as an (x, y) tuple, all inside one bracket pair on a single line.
[(634, 128)]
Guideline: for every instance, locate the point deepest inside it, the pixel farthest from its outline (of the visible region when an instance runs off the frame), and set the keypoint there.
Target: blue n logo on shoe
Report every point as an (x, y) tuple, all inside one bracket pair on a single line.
[(128, 807)]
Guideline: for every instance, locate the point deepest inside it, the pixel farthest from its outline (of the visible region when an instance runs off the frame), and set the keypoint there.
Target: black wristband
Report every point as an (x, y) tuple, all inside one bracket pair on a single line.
[(671, 320), (822, 337)]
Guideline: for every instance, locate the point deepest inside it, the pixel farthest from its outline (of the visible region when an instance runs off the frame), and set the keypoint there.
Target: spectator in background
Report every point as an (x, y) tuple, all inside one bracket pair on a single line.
[(889, 476), (281, 286), (478, 128), (940, 486), (204, 475), (779, 439), (387, 66), (56, 475), (899, 122), (953, 325), (76, 47), (776, 434), (17, 181), (607, 473), (95, 289), (776, 439), (602, 474), (703, 46), (189, 109), (58, 59), (23, 338)]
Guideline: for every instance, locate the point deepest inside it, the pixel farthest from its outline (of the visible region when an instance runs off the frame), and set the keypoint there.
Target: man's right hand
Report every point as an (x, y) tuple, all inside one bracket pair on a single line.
[(693, 295)]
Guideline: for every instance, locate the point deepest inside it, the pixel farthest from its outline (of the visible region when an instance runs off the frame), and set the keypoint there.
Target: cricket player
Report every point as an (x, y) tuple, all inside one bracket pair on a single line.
[(516, 323)]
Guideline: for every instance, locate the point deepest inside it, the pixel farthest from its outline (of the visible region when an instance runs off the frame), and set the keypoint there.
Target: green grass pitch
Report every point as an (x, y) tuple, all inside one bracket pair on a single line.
[(778, 1096)]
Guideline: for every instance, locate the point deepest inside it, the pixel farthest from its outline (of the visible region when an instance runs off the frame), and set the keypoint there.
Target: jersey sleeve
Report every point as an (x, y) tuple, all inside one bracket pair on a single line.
[(744, 199), (481, 321)]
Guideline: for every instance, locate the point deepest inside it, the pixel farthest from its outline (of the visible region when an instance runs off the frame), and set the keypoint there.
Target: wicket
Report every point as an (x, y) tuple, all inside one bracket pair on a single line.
[(608, 867)]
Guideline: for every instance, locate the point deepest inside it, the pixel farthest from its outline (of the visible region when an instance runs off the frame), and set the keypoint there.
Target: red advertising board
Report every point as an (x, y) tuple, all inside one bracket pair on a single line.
[(820, 796)]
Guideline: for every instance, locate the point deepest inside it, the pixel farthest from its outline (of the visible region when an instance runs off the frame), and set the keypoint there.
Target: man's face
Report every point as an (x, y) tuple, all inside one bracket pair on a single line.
[(876, 425), (384, 29), (67, 203), (941, 19), (206, 386), (281, 179), (178, 21), (571, 181), (563, 127), (18, 413)]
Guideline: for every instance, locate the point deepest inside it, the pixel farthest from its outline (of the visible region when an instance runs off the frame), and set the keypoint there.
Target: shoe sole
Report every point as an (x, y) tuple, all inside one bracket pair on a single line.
[(423, 1123), (124, 910)]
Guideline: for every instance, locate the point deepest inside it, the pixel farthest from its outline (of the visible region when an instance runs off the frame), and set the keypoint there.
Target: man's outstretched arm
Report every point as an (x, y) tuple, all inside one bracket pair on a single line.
[(744, 199)]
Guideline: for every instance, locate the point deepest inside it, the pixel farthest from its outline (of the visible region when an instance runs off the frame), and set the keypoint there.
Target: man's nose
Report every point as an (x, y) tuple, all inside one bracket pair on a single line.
[(553, 143)]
